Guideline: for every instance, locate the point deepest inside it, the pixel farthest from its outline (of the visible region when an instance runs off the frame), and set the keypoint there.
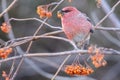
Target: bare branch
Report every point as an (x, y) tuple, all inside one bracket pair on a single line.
[(105, 51), (107, 28), (60, 67), (41, 36), (8, 8), (112, 9), (30, 44), (26, 19), (97, 28), (19, 41), (106, 7)]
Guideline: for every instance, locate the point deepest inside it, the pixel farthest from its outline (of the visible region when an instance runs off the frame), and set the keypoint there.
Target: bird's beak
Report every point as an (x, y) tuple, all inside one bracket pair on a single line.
[(60, 13)]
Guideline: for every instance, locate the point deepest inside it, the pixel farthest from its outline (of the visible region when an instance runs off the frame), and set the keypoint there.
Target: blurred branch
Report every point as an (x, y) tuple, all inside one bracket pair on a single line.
[(95, 27), (41, 36), (107, 28), (49, 75), (61, 65), (110, 12), (107, 35), (113, 17), (23, 40), (58, 27), (26, 19), (30, 44), (106, 7), (5, 15), (8, 8), (106, 51)]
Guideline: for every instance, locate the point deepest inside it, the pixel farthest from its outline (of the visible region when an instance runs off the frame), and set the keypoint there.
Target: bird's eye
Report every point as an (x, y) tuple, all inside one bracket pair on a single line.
[(66, 11)]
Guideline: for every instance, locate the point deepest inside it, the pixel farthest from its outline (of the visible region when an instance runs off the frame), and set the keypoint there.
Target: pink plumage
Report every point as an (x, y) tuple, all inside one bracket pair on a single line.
[(75, 25)]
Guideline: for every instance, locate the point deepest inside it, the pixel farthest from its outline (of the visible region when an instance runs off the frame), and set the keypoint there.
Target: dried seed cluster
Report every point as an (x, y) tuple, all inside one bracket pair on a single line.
[(43, 11), (5, 75), (96, 56), (4, 52), (5, 27), (59, 15), (98, 59), (78, 70), (99, 3)]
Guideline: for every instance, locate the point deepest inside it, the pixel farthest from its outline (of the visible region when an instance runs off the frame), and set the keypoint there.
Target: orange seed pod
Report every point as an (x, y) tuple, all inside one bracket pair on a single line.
[(5, 28)]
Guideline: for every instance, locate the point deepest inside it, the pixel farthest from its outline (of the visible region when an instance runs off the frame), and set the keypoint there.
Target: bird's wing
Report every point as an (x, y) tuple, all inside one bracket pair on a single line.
[(88, 19), (85, 16)]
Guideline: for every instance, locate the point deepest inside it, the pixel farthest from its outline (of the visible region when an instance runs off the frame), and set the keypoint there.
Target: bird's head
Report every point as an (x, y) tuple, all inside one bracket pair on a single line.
[(67, 11)]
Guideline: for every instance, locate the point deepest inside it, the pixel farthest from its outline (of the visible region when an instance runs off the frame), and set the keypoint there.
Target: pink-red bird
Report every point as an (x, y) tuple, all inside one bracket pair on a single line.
[(76, 25)]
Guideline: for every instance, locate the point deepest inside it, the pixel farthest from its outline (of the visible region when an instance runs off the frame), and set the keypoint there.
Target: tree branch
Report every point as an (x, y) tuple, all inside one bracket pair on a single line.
[(112, 9), (106, 51), (8, 8)]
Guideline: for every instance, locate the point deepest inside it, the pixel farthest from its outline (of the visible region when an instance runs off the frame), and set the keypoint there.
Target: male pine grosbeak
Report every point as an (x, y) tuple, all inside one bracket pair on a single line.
[(76, 25)]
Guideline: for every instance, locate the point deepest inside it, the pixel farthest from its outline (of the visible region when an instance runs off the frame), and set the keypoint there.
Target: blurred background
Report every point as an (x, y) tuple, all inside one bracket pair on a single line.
[(43, 68)]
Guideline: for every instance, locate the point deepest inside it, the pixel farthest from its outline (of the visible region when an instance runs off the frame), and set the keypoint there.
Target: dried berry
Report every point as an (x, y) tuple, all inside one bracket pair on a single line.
[(5, 27)]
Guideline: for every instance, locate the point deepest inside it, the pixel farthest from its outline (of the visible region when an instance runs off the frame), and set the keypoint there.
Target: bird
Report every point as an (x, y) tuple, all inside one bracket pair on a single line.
[(76, 26)]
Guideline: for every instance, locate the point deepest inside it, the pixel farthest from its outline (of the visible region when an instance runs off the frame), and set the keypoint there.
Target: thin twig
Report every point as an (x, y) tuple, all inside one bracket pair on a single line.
[(52, 33), (10, 35), (27, 19), (107, 28), (107, 35), (113, 17), (72, 52), (58, 27), (30, 44), (37, 37), (23, 40), (12, 67), (8, 8), (105, 51), (112, 9), (98, 28), (61, 65), (53, 37)]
